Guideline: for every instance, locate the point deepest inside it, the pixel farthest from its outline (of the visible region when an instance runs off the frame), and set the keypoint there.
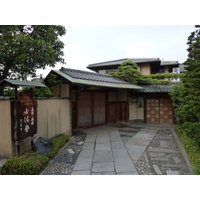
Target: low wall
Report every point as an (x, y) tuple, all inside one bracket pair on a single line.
[(53, 119), (5, 128)]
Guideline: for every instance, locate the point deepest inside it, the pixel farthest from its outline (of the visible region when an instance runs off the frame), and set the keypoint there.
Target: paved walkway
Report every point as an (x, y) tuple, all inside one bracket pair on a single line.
[(123, 150)]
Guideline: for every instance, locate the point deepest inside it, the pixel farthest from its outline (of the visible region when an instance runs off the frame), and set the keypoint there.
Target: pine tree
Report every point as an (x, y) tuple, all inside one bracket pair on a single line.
[(190, 110)]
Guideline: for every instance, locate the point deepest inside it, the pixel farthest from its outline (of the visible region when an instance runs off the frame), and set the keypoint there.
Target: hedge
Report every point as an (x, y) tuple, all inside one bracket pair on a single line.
[(192, 148), (30, 163)]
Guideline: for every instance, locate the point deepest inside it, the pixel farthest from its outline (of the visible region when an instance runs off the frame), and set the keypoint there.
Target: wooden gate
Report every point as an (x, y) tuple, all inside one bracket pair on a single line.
[(85, 109), (91, 109), (99, 108), (159, 111), (112, 113), (117, 112)]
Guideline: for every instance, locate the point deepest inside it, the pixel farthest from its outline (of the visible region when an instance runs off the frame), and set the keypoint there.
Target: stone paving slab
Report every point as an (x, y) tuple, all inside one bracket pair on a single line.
[(103, 173), (88, 145), (115, 138), (103, 146), (103, 156), (128, 173), (90, 139), (120, 153), (103, 167), (81, 172), (135, 151), (157, 170), (117, 145), (102, 140), (83, 163), (170, 172), (86, 152), (124, 165)]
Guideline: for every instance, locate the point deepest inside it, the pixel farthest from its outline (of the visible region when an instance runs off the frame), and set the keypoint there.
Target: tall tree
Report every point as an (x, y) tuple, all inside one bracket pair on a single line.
[(186, 96), (26, 48), (191, 81)]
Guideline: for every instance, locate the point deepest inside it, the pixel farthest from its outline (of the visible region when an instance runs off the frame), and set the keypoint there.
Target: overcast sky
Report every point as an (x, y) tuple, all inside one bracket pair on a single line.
[(88, 44)]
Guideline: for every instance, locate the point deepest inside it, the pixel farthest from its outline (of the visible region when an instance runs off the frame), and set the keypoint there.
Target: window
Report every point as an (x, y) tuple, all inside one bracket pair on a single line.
[(157, 69)]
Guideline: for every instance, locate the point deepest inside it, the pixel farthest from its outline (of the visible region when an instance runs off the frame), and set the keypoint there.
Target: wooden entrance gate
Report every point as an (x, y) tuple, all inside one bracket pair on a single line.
[(117, 112), (91, 109)]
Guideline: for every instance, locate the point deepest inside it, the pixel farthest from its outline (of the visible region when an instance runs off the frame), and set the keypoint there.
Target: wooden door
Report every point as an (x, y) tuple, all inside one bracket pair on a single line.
[(84, 109), (159, 111), (99, 109), (112, 113), (122, 112)]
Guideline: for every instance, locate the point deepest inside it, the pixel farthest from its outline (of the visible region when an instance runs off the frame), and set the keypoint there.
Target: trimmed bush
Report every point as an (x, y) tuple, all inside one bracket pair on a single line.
[(58, 142), (30, 163)]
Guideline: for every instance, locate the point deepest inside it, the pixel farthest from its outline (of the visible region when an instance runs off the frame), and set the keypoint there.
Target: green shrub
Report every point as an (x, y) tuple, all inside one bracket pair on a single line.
[(197, 167), (30, 163), (192, 148), (58, 142)]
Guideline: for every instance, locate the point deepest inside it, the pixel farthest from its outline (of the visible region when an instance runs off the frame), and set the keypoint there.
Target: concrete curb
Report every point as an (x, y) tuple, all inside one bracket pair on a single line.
[(182, 149)]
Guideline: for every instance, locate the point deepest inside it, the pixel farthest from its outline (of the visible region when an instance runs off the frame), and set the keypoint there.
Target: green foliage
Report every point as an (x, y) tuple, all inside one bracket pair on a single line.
[(9, 92), (42, 92), (26, 48), (128, 71), (37, 92), (58, 142), (177, 93), (52, 80), (192, 148), (29, 163), (163, 75), (186, 96)]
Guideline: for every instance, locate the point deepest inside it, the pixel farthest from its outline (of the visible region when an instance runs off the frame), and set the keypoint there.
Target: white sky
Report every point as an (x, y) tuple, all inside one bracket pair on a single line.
[(105, 30), (88, 44)]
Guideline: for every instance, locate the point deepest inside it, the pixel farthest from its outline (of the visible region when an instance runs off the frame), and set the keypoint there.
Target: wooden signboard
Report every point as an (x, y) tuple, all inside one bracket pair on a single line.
[(25, 116)]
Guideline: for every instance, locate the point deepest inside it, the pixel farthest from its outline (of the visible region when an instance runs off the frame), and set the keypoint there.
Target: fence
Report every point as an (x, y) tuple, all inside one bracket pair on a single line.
[(53, 118)]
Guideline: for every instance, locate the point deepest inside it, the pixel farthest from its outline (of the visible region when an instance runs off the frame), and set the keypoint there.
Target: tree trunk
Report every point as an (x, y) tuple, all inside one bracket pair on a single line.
[(1, 91)]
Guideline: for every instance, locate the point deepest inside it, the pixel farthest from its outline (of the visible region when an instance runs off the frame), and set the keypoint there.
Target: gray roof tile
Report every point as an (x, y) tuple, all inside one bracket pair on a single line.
[(92, 76), (163, 63), (118, 62), (155, 88)]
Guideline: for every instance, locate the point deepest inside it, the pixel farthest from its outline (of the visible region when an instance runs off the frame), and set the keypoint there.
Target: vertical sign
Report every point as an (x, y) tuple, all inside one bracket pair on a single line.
[(25, 116), (176, 71)]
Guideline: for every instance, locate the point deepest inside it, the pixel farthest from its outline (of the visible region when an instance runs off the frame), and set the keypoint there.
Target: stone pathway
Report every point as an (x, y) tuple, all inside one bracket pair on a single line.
[(123, 150), (162, 154)]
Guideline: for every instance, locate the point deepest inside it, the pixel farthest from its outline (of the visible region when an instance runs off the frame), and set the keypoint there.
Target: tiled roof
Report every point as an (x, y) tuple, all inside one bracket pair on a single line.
[(8, 82), (118, 62), (92, 76), (85, 78), (155, 88), (169, 63)]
